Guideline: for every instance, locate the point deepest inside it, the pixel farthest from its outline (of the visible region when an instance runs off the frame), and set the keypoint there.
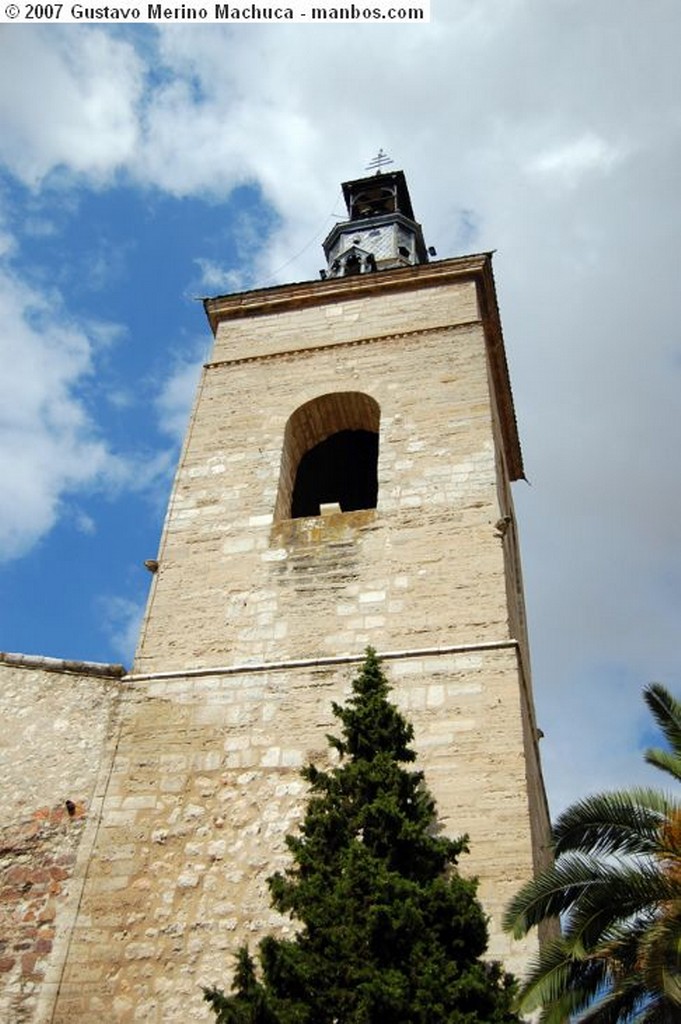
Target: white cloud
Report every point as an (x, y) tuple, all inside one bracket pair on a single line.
[(85, 523), (51, 445), (175, 398), (217, 279), (48, 442), (122, 620), (7, 244), (120, 398), (569, 161), (39, 227), (68, 101)]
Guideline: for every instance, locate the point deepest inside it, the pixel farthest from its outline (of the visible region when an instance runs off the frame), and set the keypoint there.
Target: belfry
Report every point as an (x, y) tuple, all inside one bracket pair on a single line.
[(380, 232), (345, 481)]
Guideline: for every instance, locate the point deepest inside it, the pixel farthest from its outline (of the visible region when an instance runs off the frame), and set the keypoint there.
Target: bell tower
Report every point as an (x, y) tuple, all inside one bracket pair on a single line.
[(345, 480)]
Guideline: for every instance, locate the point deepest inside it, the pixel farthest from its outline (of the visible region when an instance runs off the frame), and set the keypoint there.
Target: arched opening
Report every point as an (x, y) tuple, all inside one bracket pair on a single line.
[(330, 455), (373, 202)]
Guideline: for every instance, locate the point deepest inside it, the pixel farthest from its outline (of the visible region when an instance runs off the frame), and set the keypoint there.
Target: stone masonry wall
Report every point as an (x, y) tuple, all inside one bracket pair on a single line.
[(205, 787), (232, 584), (56, 726)]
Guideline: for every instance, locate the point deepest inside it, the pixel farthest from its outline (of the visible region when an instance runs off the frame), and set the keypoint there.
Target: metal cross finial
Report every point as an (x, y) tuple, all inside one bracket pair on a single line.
[(379, 161)]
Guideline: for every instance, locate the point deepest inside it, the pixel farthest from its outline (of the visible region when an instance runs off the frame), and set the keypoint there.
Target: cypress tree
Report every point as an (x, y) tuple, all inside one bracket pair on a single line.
[(389, 930)]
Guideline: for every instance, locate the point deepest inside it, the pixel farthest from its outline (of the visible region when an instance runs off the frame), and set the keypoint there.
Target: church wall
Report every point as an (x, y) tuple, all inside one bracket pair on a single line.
[(56, 733), (206, 785)]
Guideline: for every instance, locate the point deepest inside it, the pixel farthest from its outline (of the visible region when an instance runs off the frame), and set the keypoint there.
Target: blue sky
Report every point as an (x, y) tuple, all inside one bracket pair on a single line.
[(141, 168), (123, 265)]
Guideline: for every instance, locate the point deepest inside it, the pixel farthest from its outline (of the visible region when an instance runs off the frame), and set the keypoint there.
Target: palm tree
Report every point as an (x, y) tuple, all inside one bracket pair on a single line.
[(616, 886)]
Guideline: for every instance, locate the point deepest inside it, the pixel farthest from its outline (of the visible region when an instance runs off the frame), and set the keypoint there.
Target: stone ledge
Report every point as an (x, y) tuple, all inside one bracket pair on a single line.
[(81, 668), (323, 661)]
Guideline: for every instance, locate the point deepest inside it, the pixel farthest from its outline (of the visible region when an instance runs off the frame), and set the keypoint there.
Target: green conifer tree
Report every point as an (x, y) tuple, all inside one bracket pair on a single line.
[(390, 932)]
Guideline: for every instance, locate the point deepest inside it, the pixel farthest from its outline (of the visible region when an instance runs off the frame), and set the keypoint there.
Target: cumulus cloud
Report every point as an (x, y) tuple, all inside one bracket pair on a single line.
[(175, 398), (571, 160), (122, 620), (48, 441), (68, 102), (52, 446), (217, 279)]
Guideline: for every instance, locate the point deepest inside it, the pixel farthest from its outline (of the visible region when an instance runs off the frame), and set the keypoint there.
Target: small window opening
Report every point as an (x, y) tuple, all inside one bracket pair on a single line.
[(340, 469), (353, 265)]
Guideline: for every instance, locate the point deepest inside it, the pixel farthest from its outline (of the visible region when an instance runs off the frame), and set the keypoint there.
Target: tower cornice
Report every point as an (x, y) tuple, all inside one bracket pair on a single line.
[(476, 268), (279, 298)]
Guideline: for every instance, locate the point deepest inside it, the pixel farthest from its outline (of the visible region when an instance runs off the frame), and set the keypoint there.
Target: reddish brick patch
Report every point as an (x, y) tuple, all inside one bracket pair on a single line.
[(39, 875), (37, 856), (18, 875), (28, 962)]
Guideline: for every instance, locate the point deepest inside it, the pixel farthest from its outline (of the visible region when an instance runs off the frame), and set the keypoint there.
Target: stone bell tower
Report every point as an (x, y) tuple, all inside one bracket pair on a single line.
[(345, 481)]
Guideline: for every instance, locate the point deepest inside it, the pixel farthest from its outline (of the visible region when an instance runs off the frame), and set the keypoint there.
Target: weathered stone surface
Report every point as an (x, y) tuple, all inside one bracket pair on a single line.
[(57, 722), (228, 591), (179, 878)]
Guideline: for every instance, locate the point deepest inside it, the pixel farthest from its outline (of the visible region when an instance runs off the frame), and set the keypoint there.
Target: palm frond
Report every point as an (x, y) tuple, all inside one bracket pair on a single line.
[(621, 1004), (592, 895), (667, 713), (620, 822), (665, 760), (616, 888), (561, 981), (658, 1011), (551, 893), (619, 893), (660, 954)]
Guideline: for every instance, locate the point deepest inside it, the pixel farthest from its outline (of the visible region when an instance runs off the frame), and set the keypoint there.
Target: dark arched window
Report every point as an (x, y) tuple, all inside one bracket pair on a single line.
[(330, 456)]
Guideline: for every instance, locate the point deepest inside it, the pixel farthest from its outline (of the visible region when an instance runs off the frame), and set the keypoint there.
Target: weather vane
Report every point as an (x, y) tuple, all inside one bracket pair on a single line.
[(379, 161)]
